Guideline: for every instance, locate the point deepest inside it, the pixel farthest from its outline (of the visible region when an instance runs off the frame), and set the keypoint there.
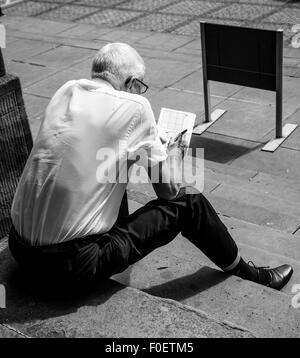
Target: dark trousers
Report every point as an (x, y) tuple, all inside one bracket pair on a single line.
[(90, 259)]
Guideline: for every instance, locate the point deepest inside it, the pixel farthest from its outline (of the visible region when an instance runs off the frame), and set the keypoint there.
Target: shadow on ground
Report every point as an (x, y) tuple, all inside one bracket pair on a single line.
[(26, 301), (188, 286), (220, 151)]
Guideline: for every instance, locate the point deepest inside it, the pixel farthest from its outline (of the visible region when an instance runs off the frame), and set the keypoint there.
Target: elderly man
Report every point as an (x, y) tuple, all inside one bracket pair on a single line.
[(65, 210)]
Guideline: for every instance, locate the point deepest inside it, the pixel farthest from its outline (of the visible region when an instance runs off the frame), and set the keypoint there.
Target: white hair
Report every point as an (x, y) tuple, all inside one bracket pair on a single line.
[(118, 60)]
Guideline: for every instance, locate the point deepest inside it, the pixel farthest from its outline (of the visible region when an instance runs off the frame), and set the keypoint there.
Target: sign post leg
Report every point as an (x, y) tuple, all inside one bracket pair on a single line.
[(279, 61), (204, 73)]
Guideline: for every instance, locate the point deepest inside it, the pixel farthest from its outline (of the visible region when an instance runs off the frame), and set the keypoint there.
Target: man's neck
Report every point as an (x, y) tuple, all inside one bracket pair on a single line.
[(110, 81), (103, 82)]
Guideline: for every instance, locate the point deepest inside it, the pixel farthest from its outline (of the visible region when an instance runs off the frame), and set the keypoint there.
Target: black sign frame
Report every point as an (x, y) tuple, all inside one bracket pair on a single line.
[(244, 56)]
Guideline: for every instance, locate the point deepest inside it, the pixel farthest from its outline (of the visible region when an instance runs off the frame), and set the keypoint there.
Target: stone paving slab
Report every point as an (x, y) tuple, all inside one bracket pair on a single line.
[(24, 49), (192, 7), (242, 12), (172, 56), (37, 26), (192, 28), (62, 56), (156, 22), (265, 185), (255, 208), (246, 120), (60, 40), (83, 67), (290, 89), (29, 8), (67, 12), (181, 101), (144, 5), (291, 52), (34, 105), (84, 31), (267, 239), (166, 42), (35, 123), (29, 73), (194, 82), (166, 72), (283, 162), (49, 86), (180, 16), (101, 4), (110, 17), (284, 16), (129, 37), (250, 180)]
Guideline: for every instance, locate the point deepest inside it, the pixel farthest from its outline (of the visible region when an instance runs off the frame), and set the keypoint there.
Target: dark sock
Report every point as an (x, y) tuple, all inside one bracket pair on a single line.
[(245, 271)]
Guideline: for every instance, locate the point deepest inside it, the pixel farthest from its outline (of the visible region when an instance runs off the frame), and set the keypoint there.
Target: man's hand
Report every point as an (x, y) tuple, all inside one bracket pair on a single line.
[(177, 147), (170, 171)]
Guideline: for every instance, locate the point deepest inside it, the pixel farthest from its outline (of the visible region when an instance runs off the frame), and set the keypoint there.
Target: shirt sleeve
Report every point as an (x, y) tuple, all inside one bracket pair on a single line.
[(144, 142)]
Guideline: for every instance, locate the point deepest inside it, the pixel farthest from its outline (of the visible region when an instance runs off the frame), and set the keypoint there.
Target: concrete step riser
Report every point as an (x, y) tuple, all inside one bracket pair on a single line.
[(286, 195), (253, 213), (273, 241), (249, 210)]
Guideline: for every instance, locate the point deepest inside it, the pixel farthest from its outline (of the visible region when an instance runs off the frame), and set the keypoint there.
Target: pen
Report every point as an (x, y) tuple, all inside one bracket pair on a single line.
[(180, 134)]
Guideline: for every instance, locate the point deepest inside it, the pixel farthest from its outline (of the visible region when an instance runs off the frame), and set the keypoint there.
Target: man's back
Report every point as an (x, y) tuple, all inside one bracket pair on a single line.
[(64, 192)]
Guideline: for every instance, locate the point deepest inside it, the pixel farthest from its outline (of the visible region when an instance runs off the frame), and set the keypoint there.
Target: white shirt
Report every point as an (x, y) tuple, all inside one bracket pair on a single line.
[(63, 192)]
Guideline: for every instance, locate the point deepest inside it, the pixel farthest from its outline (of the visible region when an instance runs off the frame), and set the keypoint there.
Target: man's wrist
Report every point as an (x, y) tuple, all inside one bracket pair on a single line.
[(177, 151)]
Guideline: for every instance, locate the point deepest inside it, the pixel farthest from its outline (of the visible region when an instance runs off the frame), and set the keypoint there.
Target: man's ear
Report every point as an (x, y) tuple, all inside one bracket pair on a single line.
[(128, 82)]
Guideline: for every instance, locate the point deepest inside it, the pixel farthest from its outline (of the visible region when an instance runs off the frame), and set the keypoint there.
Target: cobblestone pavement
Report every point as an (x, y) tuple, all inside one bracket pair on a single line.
[(172, 16)]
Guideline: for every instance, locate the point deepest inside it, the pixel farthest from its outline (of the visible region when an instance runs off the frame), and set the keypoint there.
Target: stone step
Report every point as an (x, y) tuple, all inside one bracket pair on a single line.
[(260, 183), (284, 189), (112, 310), (265, 238), (255, 208), (243, 201), (180, 272)]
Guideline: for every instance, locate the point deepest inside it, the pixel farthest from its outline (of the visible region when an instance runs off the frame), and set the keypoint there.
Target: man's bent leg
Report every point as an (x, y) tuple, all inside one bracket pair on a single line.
[(158, 223)]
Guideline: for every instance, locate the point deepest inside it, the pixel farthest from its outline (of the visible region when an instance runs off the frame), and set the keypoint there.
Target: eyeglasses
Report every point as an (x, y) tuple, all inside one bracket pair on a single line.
[(140, 84)]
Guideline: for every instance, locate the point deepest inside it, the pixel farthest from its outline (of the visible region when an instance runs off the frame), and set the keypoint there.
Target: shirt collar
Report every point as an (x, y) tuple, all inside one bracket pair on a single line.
[(94, 84), (102, 83)]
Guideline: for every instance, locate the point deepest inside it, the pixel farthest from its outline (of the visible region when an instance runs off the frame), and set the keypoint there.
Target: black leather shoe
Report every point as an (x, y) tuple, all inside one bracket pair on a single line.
[(275, 278)]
